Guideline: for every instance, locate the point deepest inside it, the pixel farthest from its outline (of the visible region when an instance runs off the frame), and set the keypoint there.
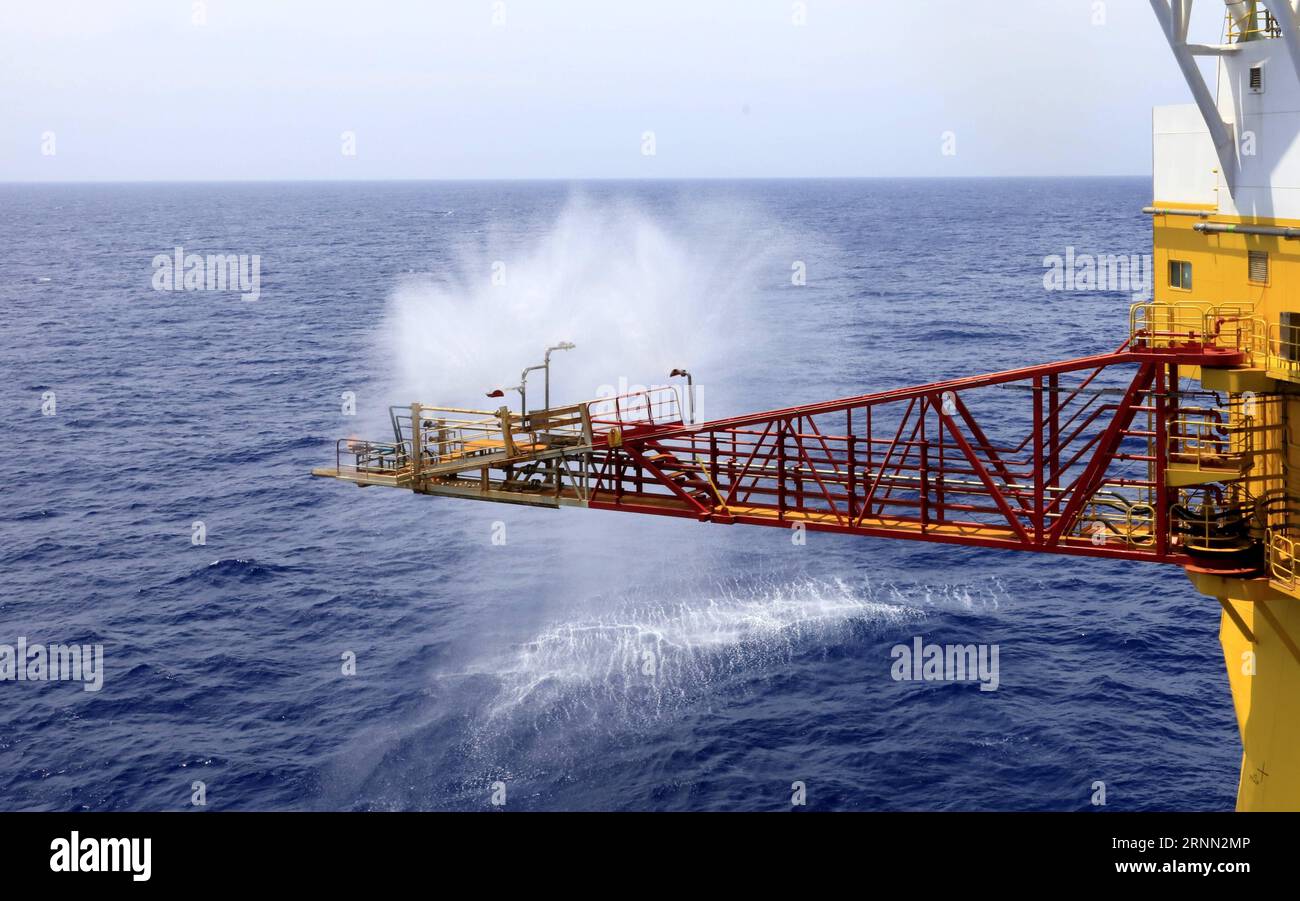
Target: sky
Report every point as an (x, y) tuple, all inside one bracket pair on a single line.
[(143, 90)]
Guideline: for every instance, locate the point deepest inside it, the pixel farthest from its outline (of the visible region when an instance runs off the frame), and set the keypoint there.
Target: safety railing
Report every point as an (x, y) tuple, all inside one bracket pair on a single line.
[(1230, 326), (1207, 443), (560, 426), (1280, 551), (372, 458), (448, 435), (651, 406), (1154, 324), (1140, 525), (448, 439), (1110, 516), (1236, 327), (1284, 350), (1253, 22), (1204, 523)]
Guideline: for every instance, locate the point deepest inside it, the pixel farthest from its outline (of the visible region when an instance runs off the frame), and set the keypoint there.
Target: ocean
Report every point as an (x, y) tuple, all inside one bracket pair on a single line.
[(158, 502)]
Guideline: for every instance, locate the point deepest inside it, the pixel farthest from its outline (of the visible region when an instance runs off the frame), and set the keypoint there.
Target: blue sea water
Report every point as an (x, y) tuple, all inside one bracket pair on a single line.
[(479, 663)]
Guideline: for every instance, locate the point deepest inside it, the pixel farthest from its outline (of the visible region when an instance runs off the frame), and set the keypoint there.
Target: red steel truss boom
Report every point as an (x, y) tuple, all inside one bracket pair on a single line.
[(1072, 457)]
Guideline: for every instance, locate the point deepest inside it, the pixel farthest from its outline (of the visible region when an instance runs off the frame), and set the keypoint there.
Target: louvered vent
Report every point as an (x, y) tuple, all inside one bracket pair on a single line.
[(1257, 79), (1258, 267)]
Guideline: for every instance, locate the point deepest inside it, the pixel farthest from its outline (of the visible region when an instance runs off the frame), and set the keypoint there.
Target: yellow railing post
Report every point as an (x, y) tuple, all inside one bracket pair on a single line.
[(417, 445)]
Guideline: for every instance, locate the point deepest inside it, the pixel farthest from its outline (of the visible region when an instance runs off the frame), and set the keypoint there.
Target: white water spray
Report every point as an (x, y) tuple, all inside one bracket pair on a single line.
[(637, 295), (640, 659)]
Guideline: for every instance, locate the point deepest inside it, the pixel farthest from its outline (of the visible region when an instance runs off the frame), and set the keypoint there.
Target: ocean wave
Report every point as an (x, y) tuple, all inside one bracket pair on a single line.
[(236, 570)]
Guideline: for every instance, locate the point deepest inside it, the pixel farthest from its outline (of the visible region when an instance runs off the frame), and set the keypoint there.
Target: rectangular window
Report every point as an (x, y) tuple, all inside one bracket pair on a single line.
[(1180, 275), (1258, 267)]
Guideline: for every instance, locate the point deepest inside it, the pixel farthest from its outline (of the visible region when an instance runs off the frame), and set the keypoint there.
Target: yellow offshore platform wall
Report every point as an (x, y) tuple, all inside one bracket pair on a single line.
[(1260, 623), (1226, 214)]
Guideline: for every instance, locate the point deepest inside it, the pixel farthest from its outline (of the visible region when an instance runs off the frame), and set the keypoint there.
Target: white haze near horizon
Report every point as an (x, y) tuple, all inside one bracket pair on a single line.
[(567, 88)]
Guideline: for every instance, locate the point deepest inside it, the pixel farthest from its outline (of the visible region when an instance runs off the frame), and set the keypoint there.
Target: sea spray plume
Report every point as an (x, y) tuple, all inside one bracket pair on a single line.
[(634, 664), (737, 630), (973, 597), (577, 687), (638, 293)]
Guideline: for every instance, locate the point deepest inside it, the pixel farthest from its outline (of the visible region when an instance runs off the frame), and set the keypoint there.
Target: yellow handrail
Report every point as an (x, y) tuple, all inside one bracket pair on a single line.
[(1281, 558), (1257, 22), (1284, 349), (1231, 326)]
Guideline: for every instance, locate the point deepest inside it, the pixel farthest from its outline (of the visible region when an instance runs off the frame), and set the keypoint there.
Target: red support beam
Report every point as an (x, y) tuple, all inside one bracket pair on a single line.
[(1013, 520), (1086, 485), (952, 485), (665, 480)]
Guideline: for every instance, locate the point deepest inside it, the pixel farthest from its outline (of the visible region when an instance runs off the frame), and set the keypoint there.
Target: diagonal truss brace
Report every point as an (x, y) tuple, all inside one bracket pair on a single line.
[(1173, 16), (1284, 12)]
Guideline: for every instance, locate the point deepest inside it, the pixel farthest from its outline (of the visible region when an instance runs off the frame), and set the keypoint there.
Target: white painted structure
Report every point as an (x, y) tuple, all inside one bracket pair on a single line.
[(1237, 148)]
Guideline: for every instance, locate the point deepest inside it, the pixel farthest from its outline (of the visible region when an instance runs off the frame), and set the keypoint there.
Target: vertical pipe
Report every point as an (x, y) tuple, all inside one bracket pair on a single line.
[(780, 470), (853, 479), (869, 441), (1053, 431), (939, 476), (852, 463), (1173, 402), (925, 467), (798, 466), (1039, 462), (713, 460), (1161, 524)]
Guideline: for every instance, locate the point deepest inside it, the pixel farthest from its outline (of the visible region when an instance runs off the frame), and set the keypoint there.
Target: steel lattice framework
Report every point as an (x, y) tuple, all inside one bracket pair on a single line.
[(1079, 461), (917, 463)]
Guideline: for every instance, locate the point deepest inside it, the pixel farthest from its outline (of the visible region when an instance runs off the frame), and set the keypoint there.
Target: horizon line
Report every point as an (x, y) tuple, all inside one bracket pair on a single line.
[(483, 179)]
